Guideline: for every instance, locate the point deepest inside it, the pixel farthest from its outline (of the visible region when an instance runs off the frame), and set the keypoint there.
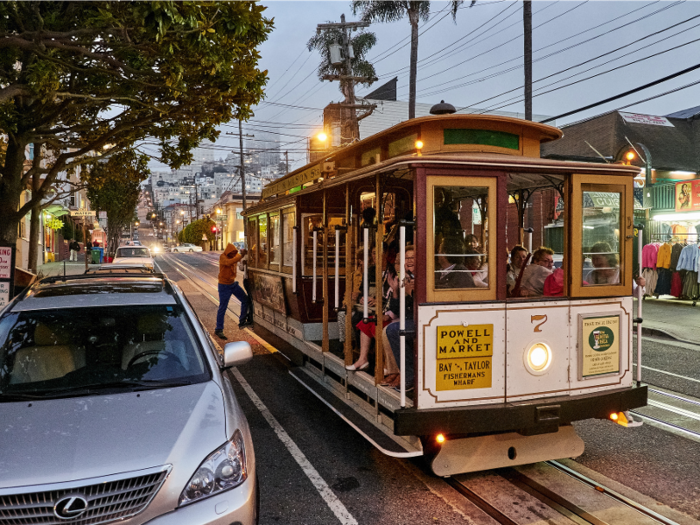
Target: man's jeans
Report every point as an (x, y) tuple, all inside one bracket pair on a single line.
[(73, 256), (392, 333), (225, 292)]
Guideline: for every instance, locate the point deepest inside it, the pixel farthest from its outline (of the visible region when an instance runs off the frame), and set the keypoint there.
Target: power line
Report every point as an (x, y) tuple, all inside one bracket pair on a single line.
[(629, 92)]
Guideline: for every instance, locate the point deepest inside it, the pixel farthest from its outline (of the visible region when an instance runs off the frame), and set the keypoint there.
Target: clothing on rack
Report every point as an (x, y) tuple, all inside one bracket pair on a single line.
[(688, 259), (663, 259), (691, 287), (650, 276), (675, 255), (663, 284), (649, 255), (676, 284)]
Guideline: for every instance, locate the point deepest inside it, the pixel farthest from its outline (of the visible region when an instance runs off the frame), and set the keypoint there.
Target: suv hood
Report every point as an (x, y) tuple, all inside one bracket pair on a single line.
[(68, 439)]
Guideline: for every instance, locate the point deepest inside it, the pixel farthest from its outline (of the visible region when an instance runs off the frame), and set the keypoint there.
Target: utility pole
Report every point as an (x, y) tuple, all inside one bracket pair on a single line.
[(286, 160), (349, 126), (527, 26), (196, 200), (240, 143)]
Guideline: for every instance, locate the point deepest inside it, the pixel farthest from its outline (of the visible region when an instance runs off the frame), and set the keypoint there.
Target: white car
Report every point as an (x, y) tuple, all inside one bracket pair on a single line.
[(186, 247), (137, 255)]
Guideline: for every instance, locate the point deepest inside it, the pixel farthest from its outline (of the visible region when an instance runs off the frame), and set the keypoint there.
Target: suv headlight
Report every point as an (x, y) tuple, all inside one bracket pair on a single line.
[(223, 469)]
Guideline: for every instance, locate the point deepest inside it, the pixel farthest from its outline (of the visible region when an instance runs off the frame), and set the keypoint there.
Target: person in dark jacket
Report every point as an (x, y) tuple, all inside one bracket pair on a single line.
[(228, 286), (452, 273), (74, 249)]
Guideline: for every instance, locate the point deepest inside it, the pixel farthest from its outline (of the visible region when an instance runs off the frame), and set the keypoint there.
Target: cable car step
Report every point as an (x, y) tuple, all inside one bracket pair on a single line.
[(383, 440)]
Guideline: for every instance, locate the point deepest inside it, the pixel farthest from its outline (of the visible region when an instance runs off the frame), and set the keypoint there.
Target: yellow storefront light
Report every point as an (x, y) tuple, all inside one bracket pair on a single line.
[(322, 137), (538, 357)]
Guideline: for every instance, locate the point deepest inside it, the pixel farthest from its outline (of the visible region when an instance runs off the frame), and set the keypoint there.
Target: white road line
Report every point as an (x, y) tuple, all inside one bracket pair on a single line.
[(675, 410), (322, 487)]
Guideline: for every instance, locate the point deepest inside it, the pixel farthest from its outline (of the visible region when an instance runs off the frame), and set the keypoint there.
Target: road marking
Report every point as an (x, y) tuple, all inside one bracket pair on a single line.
[(669, 373), (318, 482)]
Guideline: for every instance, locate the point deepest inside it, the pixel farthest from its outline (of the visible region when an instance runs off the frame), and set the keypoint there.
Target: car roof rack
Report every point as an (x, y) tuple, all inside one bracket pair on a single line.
[(96, 275)]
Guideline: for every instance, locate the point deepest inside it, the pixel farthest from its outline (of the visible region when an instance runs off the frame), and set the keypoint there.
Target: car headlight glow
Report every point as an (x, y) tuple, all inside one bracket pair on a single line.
[(538, 357), (156, 249), (223, 469)]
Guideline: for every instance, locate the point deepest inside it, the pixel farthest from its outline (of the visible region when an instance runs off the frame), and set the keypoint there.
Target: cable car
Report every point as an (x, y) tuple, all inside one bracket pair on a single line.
[(493, 368)]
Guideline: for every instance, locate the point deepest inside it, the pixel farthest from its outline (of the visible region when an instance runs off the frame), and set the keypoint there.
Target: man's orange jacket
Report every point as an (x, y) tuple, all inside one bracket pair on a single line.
[(227, 264)]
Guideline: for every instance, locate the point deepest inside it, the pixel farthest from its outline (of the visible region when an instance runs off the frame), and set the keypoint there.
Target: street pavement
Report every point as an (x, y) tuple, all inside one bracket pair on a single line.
[(673, 318)]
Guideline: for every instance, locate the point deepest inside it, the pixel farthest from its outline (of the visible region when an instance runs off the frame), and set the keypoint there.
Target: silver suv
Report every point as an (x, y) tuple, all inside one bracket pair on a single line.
[(114, 408)]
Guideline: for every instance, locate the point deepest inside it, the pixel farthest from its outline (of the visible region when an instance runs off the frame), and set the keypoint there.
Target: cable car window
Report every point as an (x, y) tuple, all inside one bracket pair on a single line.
[(461, 237), (288, 221), (274, 235), (253, 242), (327, 235), (262, 241), (601, 238)]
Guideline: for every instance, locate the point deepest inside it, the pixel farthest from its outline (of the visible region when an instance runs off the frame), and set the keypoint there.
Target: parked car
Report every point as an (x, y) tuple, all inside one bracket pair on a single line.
[(112, 391), (186, 247), (139, 255)]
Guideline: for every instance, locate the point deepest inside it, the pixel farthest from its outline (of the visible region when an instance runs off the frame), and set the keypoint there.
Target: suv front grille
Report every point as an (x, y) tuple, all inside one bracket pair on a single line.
[(116, 499)]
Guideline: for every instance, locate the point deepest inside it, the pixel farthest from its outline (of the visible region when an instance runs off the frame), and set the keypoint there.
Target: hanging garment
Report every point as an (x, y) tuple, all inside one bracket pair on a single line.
[(689, 258), (663, 284), (649, 254), (690, 285), (666, 232), (663, 259), (650, 277), (676, 284), (675, 255), (679, 230)]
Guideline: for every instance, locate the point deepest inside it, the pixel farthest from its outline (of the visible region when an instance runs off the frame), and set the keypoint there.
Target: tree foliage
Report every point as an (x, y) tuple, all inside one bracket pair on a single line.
[(114, 186), (392, 11), (84, 78), (192, 233), (361, 43)]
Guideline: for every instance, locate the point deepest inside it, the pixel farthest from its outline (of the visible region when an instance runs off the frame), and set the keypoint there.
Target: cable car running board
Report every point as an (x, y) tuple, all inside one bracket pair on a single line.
[(382, 441)]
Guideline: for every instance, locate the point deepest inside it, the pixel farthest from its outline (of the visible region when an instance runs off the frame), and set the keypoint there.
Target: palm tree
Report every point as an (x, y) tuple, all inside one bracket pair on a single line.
[(373, 11)]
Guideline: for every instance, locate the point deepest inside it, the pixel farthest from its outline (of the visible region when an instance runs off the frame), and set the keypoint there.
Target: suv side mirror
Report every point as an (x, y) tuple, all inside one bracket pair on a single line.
[(237, 353)]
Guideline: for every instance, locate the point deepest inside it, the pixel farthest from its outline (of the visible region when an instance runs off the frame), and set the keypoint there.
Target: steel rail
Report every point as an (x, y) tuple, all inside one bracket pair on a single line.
[(480, 502), (675, 396), (612, 493)]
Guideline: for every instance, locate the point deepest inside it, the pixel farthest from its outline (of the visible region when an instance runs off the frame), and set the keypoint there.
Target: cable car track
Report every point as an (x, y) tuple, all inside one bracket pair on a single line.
[(570, 510)]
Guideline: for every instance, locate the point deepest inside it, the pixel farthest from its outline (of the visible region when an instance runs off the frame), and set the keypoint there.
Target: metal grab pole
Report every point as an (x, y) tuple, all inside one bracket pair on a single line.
[(294, 259), (337, 269), (365, 273), (640, 294), (313, 285), (402, 312)]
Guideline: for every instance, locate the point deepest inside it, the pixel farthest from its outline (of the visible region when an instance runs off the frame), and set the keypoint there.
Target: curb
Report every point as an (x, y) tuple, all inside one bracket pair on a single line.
[(656, 332)]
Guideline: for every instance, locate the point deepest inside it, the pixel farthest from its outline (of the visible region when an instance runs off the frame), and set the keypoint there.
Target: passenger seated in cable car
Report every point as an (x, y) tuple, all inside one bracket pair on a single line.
[(451, 272), (478, 271), (605, 263), (518, 256), (358, 310), (532, 282), (392, 331)]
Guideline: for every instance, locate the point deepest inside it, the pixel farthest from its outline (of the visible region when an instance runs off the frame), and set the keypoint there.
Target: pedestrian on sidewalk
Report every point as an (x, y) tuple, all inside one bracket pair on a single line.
[(229, 286), (243, 268), (74, 249)]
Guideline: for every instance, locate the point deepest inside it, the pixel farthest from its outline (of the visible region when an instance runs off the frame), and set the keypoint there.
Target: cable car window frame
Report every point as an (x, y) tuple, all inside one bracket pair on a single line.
[(461, 294)]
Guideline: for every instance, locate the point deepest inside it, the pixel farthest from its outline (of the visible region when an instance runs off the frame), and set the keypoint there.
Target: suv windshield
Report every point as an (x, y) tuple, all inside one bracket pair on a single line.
[(132, 252), (80, 351)]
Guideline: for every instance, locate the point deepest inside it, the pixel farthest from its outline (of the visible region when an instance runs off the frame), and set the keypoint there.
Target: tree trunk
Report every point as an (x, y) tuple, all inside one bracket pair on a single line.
[(413, 18), (35, 218), (10, 192)]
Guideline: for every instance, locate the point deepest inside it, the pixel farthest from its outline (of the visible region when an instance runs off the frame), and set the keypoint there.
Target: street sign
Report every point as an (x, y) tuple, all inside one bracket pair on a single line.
[(222, 217), (82, 213)]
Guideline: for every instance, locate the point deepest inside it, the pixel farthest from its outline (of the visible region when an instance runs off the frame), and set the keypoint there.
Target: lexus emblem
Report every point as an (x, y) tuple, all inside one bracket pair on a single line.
[(70, 507)]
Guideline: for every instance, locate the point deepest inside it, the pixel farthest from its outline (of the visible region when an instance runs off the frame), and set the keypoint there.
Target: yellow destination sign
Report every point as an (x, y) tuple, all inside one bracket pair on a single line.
[(286, 184), (464, 356), (458, 374), (464, 341), (600, 345)]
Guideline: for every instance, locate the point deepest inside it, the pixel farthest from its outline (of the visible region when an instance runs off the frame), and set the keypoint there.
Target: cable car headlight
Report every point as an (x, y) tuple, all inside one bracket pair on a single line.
[(538, 357)]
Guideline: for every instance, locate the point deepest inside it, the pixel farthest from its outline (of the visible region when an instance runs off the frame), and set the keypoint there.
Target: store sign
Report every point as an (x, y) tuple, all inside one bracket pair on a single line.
[(5, 262), (464, 357), (600, 345), (4, 294), (637, 118), (289, 182), (688, 195)]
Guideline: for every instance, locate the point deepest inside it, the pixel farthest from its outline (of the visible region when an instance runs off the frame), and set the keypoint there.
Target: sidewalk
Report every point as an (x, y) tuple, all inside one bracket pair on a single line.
[(674, 318), (56, 268)]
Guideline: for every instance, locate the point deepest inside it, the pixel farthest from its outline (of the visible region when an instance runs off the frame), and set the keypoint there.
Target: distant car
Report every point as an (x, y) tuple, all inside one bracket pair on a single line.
[(186, 247), (115, 408), (138, 255)]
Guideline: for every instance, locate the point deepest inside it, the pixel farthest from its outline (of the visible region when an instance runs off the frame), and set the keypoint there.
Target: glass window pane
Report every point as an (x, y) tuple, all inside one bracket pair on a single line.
[(288, 220), (461, 237), (275, 239), (253, 242), (262, 240), (601, 238), (309, 222)]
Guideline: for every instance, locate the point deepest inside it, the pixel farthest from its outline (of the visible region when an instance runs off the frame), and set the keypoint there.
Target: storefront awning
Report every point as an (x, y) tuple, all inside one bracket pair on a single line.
[(57, 210)]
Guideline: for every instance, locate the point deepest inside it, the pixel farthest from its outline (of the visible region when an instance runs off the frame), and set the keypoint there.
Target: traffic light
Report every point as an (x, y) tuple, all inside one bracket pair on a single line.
[(213, 229)]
